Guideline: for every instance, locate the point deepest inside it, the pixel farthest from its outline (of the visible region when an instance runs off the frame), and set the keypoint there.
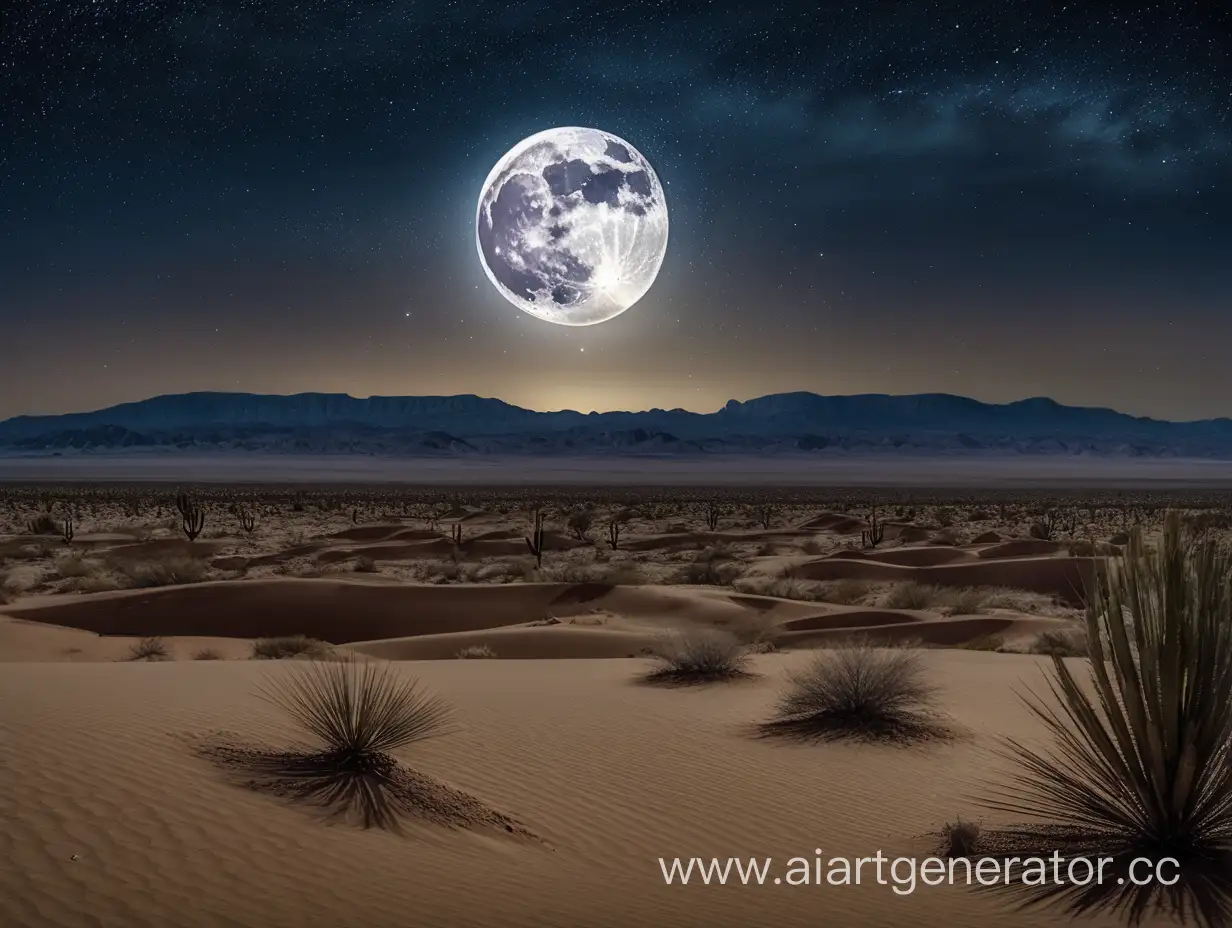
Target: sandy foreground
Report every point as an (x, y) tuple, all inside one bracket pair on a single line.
[(112, 820)]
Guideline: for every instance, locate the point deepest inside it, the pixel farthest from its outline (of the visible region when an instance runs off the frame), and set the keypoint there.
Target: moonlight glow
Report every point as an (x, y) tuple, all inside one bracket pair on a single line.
[(572, 226)]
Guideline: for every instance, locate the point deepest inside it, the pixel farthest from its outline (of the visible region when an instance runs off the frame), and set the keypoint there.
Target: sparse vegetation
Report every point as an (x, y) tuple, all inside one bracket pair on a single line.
[(167, 571), (475, 652), (192, 516), (703, 655), (535, 541), (359, 713), (859, 692), (911, 595), (207, 654), (153, 648), (1061, 643), (281, 647), (1139, 762), (959, 839)]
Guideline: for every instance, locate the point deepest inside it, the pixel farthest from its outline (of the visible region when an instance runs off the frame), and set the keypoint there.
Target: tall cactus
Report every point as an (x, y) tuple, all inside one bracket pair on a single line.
[(192, 514), (535, 542), (875, 532)]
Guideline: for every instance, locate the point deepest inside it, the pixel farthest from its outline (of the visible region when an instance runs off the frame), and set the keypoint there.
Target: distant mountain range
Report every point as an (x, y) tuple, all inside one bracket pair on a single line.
[(325, 423)]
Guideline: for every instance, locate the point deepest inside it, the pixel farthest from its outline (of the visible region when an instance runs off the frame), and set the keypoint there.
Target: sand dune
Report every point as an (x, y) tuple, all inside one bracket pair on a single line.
[(111, 820), (1021, 547), (918, 557), (409, 622), (1064, 577)]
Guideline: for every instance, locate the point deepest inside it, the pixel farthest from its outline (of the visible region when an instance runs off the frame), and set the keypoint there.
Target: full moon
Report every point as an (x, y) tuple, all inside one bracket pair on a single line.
[(572, 226)]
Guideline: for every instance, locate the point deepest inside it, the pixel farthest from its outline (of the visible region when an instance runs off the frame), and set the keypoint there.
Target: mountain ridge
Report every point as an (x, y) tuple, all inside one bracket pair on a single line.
[(471, 424)]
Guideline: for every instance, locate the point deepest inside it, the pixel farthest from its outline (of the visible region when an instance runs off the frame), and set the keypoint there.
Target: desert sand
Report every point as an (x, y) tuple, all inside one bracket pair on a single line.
[(112, 817)]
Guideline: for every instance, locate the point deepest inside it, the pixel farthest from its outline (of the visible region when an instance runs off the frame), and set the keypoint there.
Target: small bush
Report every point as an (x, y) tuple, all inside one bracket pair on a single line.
[(168, 571), (149, 649), (966, 601), (207, 654), (845, 592), (475, 652), (911, 595), (74, 566), (1061, 643), (704, 655), (43, 524), (713, 566), (990, 642), (365, 565), (859, 692), (290, 646), (959, 839)]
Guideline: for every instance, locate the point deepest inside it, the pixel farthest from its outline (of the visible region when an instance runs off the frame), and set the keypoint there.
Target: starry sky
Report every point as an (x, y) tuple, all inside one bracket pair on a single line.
[(999, 200)]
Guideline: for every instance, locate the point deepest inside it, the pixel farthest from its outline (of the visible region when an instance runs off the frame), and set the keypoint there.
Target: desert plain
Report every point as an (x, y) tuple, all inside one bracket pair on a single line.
[(128, 648)]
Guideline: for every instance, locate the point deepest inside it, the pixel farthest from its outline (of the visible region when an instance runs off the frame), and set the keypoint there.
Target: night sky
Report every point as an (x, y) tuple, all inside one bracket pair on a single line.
[(999, 200)]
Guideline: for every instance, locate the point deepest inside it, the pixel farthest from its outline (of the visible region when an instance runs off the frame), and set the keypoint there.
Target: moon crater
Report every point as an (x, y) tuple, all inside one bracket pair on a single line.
[(572, 226)]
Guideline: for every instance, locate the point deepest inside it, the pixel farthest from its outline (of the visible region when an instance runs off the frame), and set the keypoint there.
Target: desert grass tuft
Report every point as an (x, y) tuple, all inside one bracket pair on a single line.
[(858, 692), (281, 647), (1140, 764), (152, 648), (357, 713), (911, 595), (168, 571), (207, 654), (1061, 643), (475, 652), (959, 839), (699, 656)]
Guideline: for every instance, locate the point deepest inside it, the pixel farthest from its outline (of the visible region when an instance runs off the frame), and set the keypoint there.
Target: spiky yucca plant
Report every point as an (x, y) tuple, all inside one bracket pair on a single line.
[(358, 710), (1140, 764)]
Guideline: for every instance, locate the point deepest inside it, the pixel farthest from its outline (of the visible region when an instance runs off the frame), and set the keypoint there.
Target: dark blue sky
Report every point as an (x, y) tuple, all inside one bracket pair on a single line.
[(994, 199)]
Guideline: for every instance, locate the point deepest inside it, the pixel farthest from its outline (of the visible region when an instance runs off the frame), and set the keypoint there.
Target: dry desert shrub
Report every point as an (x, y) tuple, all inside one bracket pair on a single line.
[(758, 634), (964, 601), (716, 566), (959, 839), (911, 595), (74, 565), (1140, 764), (626, 573), (168, 571), (990, 642), (43, 524), (365, 565), (152, 648), (701, 655), (280, 647), (94, 583), (847, 591), (858, 692), (1061, 643), (207, 654), (475, 652), (503, 571)]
